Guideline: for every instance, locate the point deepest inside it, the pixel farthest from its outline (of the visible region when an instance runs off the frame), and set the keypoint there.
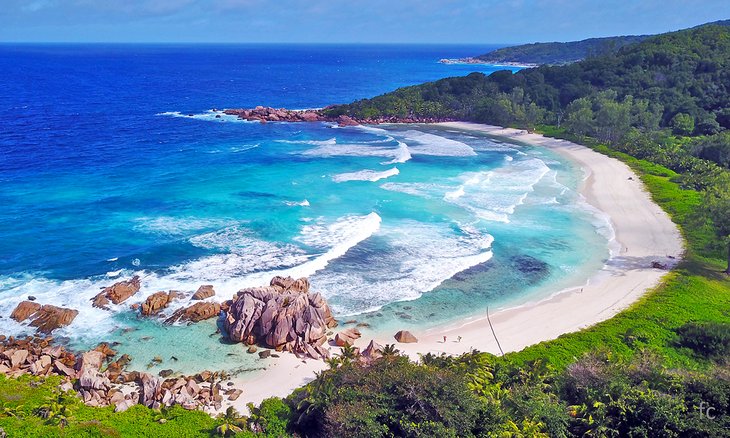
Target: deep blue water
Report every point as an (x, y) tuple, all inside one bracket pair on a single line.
[(112, 163)]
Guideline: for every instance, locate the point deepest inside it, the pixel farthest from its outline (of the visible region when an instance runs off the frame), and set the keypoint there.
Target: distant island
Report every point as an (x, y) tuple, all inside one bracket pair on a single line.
[(554, 53)]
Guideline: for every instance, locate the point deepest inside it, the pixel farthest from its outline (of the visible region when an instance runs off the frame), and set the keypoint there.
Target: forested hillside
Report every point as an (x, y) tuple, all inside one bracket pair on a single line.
[(675, 83), (557, 53), (684, 72)]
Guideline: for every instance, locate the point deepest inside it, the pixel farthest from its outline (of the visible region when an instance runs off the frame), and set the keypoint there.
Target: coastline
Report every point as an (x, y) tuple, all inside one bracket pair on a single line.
[(643, 232), (479, 61)]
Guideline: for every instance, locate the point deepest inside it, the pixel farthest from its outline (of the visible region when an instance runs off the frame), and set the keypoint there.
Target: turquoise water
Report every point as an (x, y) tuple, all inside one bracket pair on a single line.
[(398, 226)]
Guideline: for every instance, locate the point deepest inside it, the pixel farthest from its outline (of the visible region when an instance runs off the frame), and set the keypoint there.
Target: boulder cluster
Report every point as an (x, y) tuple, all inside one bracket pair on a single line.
[(284, 316), (102, 381), (268, 114)]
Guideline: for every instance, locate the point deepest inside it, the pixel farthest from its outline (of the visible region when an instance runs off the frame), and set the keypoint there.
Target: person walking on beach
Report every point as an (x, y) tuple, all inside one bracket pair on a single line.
[(444, 339)]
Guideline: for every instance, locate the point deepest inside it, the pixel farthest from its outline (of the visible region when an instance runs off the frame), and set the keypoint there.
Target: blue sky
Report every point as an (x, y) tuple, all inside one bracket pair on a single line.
[(346, 21)]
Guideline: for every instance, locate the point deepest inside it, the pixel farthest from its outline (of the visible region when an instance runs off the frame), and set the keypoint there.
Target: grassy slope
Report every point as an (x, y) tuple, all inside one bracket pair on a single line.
[(695, 291), (19, 398)]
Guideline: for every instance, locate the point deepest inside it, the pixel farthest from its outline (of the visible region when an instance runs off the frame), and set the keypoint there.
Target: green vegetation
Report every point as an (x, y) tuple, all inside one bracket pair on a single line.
[(657, 369), (559, 53), (709, 340), (661, 82), (35, 407)]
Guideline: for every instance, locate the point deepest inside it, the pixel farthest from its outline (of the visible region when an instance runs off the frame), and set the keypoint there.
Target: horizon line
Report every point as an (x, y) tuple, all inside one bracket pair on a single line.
[(321, 43)]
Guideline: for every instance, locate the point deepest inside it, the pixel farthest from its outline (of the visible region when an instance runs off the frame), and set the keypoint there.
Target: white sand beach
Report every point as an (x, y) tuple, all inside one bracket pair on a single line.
[(643, 232)]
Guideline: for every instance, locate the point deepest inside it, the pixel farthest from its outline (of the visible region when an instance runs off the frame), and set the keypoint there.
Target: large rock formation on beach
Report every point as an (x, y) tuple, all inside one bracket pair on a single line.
[(283, 316), (372, 352), (405, 337), (99, 386), (347, 337), (117, 293), (45, 318)]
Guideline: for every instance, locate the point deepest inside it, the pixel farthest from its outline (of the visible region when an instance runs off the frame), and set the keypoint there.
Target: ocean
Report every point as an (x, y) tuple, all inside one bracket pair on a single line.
[(114, 161)]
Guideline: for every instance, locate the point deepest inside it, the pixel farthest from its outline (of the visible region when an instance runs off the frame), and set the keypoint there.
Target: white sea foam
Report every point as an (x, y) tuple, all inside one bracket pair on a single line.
[(244, 147), (327, 142), (112, 274), (372, 129), (210, 116), (402, 154), (423, 143), (113, 259), (423, 190), (249, 261), (75, 294), (347, 230), (175, 226), (419, 258), (456, 194), (398, 154), (303, 203), (493, 195), (365, 175)]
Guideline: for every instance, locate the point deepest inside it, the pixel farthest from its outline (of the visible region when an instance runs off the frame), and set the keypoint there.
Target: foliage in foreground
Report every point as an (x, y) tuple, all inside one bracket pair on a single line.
[(33, 407)]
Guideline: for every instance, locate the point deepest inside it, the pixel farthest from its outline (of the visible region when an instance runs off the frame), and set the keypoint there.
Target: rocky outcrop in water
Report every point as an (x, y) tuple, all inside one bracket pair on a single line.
[(158, 301), (116, 293), (24, 310), (283, 316), (268, 114), (199, 311), (203, 292), (45, 318)]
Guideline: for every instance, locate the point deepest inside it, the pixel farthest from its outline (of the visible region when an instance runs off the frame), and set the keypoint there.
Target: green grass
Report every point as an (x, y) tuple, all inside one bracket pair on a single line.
[(19, 399), (695, 291)]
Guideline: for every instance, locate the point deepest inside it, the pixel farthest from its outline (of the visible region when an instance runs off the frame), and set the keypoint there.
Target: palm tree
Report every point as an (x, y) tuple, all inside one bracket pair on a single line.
[(333, 362), (390, 351), (348, 354), (318, 396), (232, 424)]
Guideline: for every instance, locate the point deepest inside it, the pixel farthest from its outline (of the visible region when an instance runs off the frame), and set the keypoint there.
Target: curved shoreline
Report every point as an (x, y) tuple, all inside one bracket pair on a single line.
[(643, 232)]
